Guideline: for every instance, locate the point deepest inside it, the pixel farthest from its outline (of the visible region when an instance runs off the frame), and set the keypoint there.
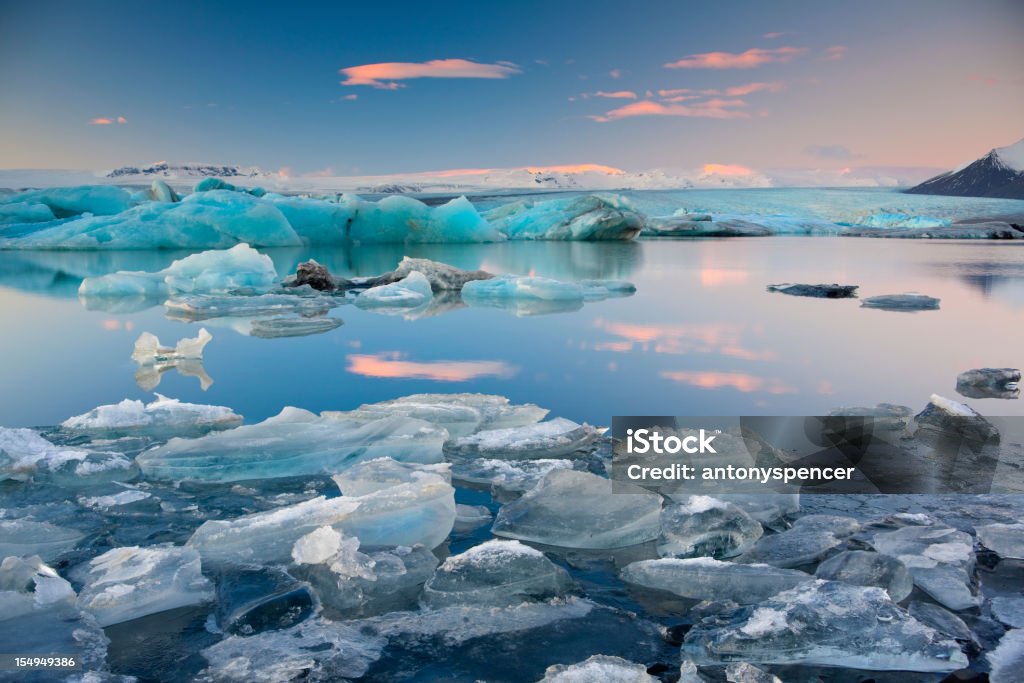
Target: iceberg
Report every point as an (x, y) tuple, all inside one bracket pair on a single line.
[(238, 270), (946, 417), (130, 582), (404, 220), (293, 326), (161, 418), (940, 560), (293, 443), (1005, 540), (824, 623), (419, 511), (159, 191), (25, 212), (23, 537), (820, 291), (902, 302), (495, 574), (154, 360), (410, 292), (65, 202), (25, 454), (862, 568), (704, 578), (442, 277), (689, 226), (706, 527), (590, 217), (573, 509), (557, 438), (989, 383), (533, 295), (598, 668)]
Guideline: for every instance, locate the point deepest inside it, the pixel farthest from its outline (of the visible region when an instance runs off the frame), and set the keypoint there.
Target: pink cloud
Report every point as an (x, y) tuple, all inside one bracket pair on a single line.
[(734, 170), (711, 109), (393, 365), (615, 73), (616, 94), (107, 120), (774, 34), (739, 381), (749, 88), (753, 57), (351, 98), (386, 75), (834, 53)]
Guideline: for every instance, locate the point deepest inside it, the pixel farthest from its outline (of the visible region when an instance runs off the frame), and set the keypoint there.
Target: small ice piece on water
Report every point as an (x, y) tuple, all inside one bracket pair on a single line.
[(578, 510), (40, 615), (590, 217), (293, 443), (1007, 660), (127, 583), (703, 578), (940, 560), (598, 668), (442, 277), (159, 191), (824, 623), (238, 270), (902, 302), (706, 527), (534, 295), (989, 383), (949, 417), (862, 568), (469, 517), (162, 418), (1009, 610), (496, 573), (23, 537), (410, 292), (459, 414), (154, 360), (742, 672), (558, 438), (1005, 540), (820, 291), (791, 548), (25, 454), (420, 510)]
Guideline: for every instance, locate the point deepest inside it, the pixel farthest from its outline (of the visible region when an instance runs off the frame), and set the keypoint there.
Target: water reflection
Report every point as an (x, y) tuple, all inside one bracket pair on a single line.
[(739, 381), (393, 364), (721, 338)]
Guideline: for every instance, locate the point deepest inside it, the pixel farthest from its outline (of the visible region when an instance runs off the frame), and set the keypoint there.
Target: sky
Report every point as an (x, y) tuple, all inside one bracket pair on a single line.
[(344, 88)]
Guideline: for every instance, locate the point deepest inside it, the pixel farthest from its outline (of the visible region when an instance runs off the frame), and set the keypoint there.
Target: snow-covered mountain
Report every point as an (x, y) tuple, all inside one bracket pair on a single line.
[(162, 169), (1000, 173)]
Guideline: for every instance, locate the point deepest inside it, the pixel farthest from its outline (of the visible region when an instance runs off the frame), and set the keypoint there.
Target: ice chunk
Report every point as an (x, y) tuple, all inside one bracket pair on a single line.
[(791, 548), (742, 672), (420, 511), (839, 526), (949, 417), (766, 508), (126, 497), (902, 302), (159, 191), (469, 517), (255, 599), (577, 510), (496, 573), (64, 202), (942, 620), (25, 212), (688, 226), (706, 527), (318, 546), (442, 277), (821, 291), (862, 568), (382, 473), (313, 274), (598, 668), (824, 623), (1007, 660), (24, 454), (162, 418), (901, 220), (127, 583), (24, 537), (1005, 540), (399, 219), (293, 443), (940, 560), (508, 476), (989, 383), (590, 217), (532, 295), (238, 270), (154, 360), (1009, 610), (459, 414), (703, 578), (553, 439), (412, 291)]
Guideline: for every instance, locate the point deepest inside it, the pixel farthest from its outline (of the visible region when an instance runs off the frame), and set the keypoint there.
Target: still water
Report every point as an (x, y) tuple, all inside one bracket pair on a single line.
[(700, 336)]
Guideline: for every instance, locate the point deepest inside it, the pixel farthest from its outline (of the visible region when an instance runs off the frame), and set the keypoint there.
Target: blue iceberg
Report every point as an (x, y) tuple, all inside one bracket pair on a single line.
[(590, 217)]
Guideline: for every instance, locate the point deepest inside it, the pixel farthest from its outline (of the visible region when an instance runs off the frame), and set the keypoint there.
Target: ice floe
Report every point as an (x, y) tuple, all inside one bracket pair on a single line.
[(940, 560), (553, 439), (410, 292), (820, 291), (1005, 540), (24, 454), (23, 537), (706, 527), (901, 302), (862, 568), (704, 578), (162, 418), (598, 668), (534, 295)]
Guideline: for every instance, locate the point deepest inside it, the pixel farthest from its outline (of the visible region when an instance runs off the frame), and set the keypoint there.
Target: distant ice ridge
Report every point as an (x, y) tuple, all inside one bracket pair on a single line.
[(901, 220)]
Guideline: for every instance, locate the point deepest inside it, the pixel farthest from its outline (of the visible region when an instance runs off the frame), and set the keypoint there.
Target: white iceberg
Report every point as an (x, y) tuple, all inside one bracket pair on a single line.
[(163, 417), (154, 360), (590, 217), (598, 668), (131, 582), (410, 292)]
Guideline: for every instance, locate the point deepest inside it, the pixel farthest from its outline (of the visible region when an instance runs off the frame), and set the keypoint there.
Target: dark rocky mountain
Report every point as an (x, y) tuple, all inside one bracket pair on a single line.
[(1000, 173)]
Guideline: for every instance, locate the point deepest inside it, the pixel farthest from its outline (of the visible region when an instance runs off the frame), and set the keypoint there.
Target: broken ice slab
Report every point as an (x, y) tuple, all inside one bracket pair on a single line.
[(942, 620), (470, 517), (161, 418), (573, 509), (255, 599), (505, 476), (23, 537), (295, 442), (557, 438), (590, 217), (239, 270), (1005, 540), (1009, 610), (824, 623), (820, 291), (130, 582), (496, 573), (420, 510), (989, 383), (1007, 660), (949, 418), (412, 291), (862, 568), (706, 527), (154, 360), (766, 508), (791, 548), (902, 302), (940, 560), (742, 672), (598, 668), (39, 615), (459, 414), (24, 455), (292, 326), (703, 578), (534, 295), (208, 307)]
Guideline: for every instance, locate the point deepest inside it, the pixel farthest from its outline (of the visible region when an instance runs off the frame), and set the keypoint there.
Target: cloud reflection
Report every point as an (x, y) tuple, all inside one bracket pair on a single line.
[(392, 364), (739, 381), (722, 338)]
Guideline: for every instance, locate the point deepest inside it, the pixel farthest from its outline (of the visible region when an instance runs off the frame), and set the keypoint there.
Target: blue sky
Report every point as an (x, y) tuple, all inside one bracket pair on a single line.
[(805, 85)]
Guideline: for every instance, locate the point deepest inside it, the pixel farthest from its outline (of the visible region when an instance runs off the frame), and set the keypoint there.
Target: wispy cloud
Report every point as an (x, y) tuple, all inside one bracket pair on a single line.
[(615, 94), (107, 121), (834, 53), (616, 73), (386, 75), (749, 59), (774, 34), (740, 381), (833, 152), (750, 88), (733, 170), (394, 365), (709, 109)]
